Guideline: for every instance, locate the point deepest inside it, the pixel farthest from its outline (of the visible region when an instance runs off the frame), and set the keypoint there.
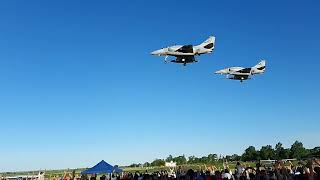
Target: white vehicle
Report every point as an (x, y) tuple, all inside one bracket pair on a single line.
[(241, 73), (40, 176), (185, 53)]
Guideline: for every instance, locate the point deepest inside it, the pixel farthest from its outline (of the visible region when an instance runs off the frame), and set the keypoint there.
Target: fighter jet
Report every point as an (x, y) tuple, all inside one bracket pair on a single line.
[(185, 54), (240, 73)]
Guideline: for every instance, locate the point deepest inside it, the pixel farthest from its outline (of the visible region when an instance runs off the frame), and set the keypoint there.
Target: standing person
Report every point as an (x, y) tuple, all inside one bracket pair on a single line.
[(239, 170), (73, 174), (226, 175), (317, 173), (76, 177), (218, 175), (84, 177), (113, 177), (208, 175), (310, 172), (258, 172), (65, 176), (103, 177), (93, 177), (136, 175)]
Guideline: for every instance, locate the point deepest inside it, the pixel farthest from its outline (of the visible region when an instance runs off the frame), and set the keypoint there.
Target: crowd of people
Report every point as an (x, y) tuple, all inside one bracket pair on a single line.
[(310, 170), (279, 171)]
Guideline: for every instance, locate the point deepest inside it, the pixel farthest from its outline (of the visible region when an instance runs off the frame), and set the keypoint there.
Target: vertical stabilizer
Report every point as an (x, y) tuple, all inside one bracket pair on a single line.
[(261, 66), (209, 43)]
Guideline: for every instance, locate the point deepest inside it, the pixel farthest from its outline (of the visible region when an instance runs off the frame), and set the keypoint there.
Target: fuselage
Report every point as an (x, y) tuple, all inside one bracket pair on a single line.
[(180, 50), (240, 71), (185, 54)]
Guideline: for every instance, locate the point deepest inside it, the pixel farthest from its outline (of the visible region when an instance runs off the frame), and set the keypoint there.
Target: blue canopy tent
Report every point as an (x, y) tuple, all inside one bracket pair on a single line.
[(101, 168), (117, 169)]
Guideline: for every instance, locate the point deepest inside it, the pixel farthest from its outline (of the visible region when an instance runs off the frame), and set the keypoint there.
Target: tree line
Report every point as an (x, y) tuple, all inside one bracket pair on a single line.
[(296, 151)]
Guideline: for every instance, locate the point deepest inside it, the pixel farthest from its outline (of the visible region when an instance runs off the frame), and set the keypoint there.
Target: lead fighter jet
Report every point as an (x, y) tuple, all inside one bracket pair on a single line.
[(240, 73), (184, 54)]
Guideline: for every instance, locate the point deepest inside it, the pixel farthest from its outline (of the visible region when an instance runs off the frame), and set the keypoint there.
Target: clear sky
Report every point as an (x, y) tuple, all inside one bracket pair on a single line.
[(78, 83)]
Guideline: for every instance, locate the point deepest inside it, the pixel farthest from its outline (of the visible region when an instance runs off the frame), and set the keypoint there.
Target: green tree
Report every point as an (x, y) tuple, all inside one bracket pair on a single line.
[(212, 158), (235, 157), (281, 152), (180, 160), (169, 158), (277, 150), (191, 159), (315, 152), (297, 150), (158, 162), (266, 152), (250, 154), (146, 164), (204, 160), (134, 165), (285, 154)]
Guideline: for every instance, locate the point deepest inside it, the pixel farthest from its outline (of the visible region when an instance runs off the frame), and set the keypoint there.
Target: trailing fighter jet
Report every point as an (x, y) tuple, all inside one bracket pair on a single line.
[(184, 54), (240, 73)]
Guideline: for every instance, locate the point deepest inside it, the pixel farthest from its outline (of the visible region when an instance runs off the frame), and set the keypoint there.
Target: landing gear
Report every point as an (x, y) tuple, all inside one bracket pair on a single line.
[(165, 60), (195, 59), (184, 61)]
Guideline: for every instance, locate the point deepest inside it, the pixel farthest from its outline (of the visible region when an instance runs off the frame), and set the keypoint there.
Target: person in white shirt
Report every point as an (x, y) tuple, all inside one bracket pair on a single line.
[(239, 170), (226, 174), (113, 177)]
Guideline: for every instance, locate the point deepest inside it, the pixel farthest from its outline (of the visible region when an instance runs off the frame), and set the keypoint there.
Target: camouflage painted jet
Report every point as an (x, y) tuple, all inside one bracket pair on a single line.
[(240, 73), (185, 54)]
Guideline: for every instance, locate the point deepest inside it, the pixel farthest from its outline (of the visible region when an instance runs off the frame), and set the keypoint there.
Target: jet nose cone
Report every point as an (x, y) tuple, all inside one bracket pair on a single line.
[(218, 72), (223, 71), (158, 52)]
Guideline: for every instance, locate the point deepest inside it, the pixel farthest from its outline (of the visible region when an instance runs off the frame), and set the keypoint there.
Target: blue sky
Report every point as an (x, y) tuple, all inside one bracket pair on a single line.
[(77, 82)]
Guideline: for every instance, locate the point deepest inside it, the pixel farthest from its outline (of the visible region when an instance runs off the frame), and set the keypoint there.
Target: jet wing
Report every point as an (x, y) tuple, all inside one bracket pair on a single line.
[(241, 77), (244, 70), (186, 58), (185, 49), (237, 73), (180, 54)]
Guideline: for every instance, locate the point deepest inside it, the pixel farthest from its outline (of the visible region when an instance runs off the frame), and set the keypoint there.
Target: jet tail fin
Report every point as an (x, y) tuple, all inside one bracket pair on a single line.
[(261, 65), (209, 43)]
